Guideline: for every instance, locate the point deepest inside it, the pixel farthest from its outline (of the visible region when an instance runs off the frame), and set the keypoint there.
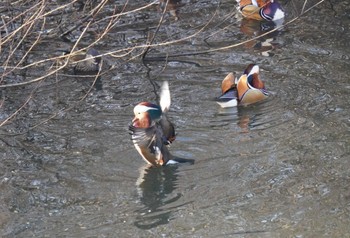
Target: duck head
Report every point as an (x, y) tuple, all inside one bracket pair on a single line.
[(250, 87), (145, 114)]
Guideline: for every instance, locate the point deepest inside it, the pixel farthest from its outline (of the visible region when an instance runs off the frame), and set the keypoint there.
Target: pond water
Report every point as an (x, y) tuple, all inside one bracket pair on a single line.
[(278, 168)]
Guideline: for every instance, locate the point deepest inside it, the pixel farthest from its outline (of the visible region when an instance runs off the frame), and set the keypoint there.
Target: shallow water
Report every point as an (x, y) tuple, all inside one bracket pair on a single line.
[(279, 168)]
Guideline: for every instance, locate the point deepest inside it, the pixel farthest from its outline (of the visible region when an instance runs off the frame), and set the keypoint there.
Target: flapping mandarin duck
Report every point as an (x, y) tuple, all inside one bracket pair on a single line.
[(269, 10), (246, 90), (151, 131)]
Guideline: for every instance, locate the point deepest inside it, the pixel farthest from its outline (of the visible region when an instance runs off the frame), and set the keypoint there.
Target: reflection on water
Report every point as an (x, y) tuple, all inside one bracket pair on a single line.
[(280, 166), (244, 123), (155, 186), (265, 44), (256, 116)]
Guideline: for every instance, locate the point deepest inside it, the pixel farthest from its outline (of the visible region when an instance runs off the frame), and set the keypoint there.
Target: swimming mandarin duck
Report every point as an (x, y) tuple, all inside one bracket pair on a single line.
[(151, 130), (84, 62), (88, 62), (246, 90), (269, 10)]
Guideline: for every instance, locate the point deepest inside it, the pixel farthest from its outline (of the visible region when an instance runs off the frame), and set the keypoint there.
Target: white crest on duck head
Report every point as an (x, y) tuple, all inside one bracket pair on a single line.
[(254, 70), (144, 107)]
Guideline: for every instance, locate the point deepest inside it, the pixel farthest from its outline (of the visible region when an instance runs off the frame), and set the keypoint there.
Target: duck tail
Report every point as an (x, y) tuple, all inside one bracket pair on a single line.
[(165, 97)]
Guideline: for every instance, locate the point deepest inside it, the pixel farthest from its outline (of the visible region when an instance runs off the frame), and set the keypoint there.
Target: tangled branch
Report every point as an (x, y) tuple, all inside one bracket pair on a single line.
[(39, 39)]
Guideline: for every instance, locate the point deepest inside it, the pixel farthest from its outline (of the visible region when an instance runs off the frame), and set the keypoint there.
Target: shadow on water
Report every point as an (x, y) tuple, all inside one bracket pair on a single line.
[(155, 186)]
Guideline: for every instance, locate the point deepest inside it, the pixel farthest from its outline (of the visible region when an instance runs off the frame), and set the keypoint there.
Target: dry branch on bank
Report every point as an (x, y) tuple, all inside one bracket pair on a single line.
[(41, 40)]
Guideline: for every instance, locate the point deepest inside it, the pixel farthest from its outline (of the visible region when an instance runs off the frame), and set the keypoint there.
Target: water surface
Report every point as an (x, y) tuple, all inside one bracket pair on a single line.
[(276, 168)]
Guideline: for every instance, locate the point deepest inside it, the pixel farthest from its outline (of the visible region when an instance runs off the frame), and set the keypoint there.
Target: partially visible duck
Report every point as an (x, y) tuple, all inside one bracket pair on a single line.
[(88, 62), (151, 131), (248, 89), (172, 6), (269, 10), (83, 62)]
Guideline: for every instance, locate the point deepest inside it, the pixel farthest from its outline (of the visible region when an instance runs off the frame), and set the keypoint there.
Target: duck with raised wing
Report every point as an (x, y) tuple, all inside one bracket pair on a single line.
[(269, 10), (248, 89), (151, 131)]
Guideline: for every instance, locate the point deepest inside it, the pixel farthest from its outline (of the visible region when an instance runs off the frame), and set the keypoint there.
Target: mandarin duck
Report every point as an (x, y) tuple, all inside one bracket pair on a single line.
[(172, 6), (246, 90), (269, 10), (84, 62), (87, 63), (151, 131)]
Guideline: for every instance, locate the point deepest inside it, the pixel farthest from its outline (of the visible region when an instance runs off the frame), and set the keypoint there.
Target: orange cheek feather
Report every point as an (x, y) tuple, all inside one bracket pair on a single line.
[(142, 120), (257, 83)]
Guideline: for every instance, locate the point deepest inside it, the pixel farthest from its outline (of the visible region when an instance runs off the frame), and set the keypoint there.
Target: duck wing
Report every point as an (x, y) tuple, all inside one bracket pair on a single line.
[(150, 143), (168, 130)]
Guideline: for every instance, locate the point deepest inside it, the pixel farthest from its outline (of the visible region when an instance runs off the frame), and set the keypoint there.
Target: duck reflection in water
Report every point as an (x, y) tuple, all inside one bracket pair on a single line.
[(155, 186), (260, 17), (247, 118), (172, 6), (266, 44), (244, 123)]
